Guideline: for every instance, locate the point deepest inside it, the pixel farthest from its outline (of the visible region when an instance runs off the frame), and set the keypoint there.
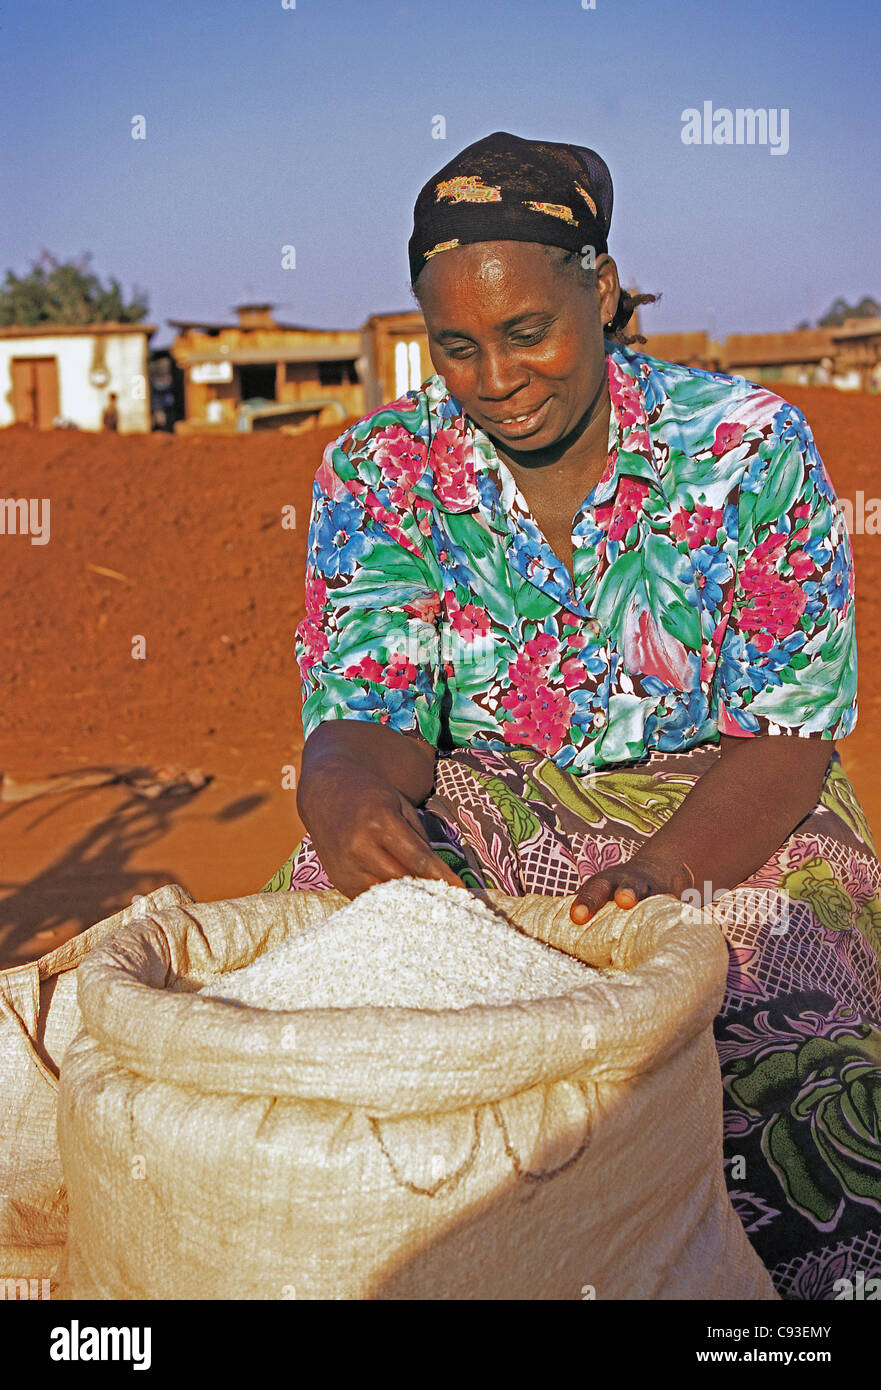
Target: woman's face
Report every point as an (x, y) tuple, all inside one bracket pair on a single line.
[(518, 342)]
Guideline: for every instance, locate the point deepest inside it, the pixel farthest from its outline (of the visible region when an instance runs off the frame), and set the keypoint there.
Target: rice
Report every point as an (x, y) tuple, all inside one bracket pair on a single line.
[(414, 943)]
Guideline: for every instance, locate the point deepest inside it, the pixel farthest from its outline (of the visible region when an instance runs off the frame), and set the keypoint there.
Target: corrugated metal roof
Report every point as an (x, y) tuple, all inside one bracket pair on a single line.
[(758, 349), (53, 330), (857, 328), (305, 352), (410, 317), (184, 324)]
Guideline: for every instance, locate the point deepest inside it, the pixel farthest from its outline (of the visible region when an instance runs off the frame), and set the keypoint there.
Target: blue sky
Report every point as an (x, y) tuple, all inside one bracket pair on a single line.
[(312, 127)]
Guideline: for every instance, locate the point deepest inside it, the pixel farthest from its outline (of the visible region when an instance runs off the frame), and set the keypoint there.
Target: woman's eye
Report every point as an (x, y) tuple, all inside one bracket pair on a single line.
[(530, 339)]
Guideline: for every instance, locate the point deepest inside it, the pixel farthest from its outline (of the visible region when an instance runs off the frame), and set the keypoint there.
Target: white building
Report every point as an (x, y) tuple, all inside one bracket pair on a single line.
[(53, 371)]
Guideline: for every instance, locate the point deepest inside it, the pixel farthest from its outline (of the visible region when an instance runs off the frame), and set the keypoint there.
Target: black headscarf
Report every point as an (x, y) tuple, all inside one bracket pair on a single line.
[(503, 188)]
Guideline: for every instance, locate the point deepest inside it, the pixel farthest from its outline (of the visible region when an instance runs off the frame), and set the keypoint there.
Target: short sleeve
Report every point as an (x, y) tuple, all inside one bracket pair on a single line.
[(368, 646), (788, 658)]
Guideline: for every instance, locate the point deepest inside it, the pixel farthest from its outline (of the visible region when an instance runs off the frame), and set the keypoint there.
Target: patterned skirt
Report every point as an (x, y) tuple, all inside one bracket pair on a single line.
[(799, 1033)]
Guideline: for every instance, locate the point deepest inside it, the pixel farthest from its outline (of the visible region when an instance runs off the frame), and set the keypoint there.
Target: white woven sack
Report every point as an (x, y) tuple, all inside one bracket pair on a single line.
[(38, 1017), (563, 1148)]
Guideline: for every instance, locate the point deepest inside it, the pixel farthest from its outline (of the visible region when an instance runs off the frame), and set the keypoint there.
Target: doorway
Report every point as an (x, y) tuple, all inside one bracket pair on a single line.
[(35, 391), (257, 379)]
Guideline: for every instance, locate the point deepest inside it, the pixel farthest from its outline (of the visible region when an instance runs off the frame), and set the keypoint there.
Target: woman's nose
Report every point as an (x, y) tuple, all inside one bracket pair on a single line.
[(499, 376)]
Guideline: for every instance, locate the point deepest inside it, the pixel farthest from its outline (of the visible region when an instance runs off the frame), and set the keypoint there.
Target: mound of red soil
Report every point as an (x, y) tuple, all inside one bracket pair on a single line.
[(210, 580)]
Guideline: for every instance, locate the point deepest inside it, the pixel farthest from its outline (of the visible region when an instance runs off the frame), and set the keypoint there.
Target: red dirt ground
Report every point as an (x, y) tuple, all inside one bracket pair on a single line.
[(214, 584)]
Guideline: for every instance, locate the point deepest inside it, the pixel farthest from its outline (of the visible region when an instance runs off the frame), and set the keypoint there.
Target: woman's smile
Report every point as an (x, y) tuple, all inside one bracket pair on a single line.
[(520, 425)]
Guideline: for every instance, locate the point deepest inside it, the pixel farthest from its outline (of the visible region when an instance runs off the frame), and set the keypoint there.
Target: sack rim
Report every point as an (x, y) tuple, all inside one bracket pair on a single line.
[(390, 1060)]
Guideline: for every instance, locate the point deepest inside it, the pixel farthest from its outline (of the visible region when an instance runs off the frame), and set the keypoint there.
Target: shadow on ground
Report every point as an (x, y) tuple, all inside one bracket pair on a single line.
[(94, 875)]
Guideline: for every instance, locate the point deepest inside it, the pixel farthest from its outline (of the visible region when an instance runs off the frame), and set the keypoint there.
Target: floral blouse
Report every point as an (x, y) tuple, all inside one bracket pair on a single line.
[(713, 579)]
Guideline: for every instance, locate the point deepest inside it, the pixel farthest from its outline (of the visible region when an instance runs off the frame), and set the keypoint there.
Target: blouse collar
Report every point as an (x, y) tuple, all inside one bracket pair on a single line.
[(482, 474)]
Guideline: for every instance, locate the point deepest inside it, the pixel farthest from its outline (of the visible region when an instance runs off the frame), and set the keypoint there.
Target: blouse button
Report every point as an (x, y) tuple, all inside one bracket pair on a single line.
[(599, 720), (593, 626)]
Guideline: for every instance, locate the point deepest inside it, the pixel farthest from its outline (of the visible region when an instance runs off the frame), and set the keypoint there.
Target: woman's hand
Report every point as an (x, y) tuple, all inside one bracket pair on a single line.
[(737, 814), (641, 877), (365, 831)]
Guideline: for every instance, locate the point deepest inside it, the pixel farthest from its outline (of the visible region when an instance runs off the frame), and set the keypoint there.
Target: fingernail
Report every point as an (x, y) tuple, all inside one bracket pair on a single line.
[(625, 897), (579, 914)]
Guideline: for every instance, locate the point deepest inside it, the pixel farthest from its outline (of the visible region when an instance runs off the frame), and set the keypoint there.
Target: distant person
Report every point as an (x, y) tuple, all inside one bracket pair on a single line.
[(162, 399), (110, 418), (163, 410)]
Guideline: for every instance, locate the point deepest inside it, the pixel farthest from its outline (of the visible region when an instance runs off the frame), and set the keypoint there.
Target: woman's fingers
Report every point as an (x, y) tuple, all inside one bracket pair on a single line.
[(625, 888), (406, 841), (593, 894), (436, 868), (381, 838), (630, 884), (379, 865)]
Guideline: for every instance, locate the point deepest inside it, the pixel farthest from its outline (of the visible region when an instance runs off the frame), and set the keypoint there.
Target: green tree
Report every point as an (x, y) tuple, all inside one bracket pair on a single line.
[(68, 293), (867, 308)]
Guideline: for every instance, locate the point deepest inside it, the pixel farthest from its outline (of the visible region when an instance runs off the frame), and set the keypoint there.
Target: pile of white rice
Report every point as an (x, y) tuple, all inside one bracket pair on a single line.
[(414, 943)]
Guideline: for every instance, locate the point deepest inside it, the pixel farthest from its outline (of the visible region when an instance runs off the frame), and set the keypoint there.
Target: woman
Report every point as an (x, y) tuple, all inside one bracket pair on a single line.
[(578, 621)]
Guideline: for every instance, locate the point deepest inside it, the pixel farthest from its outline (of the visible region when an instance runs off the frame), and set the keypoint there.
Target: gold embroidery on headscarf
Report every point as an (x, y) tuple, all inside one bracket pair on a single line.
[(553, 210), (441, 246), (587, 198), (467, 189)]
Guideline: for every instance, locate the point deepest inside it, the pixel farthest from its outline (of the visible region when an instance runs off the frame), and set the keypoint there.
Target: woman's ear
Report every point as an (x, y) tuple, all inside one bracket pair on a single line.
[(608, 288)]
